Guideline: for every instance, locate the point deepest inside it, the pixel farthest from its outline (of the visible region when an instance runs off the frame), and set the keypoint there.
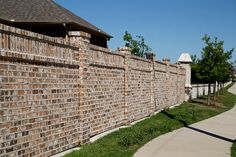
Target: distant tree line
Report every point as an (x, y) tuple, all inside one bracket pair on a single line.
[(213, 66)]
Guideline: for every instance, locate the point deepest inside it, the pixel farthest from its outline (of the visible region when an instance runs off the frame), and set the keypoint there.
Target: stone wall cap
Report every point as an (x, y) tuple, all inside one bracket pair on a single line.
[(124, 49), (188, 86), (79, 34), (185, 58)]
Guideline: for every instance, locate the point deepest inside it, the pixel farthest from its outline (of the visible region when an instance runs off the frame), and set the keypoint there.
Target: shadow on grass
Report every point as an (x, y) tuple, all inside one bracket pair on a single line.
[(197, 129)]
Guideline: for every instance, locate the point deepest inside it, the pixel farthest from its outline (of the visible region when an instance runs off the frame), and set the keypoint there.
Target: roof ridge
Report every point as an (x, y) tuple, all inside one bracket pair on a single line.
[(45, 11)]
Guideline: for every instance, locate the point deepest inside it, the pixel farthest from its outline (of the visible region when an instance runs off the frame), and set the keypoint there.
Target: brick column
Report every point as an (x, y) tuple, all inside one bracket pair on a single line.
[(82, 40), (127, 53), (188, 87), (168, 87), (178, 86), (185, 61), (151, 57)]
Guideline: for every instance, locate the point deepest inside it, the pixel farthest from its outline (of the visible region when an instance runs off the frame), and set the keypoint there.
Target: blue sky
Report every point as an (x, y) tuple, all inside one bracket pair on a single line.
[(169, 27)]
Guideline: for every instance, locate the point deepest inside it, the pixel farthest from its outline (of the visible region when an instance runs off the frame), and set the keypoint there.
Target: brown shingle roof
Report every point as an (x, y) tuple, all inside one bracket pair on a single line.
[(45, 11)]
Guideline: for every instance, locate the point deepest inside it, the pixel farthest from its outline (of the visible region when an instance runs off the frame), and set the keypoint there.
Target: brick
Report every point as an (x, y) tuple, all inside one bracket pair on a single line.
[(61, 93)]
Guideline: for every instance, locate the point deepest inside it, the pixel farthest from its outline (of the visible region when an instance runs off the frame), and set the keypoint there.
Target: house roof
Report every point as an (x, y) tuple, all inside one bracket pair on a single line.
[(45, 12), (185, 58)]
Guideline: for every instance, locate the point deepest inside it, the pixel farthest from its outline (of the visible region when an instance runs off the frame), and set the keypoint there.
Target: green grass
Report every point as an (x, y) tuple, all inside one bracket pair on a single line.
[(233, 150), (125, 142)]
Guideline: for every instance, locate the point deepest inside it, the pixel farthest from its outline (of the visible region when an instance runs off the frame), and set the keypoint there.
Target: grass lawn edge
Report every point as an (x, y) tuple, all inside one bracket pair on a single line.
[(126, 141), (233, 149)]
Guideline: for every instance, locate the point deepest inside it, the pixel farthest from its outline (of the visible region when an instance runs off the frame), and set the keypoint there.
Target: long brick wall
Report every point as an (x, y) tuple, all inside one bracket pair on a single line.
[(39, 87), (57, 93), (106, 91)]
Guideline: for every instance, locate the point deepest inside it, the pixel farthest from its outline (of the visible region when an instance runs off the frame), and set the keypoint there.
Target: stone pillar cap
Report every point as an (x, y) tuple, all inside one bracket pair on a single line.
[(150, 55), (185, 58), (79, 34), (124, 50), (188, 86), (166, 60)]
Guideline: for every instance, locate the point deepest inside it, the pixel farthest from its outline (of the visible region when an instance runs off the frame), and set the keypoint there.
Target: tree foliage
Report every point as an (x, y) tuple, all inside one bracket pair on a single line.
[(194, 69), (214, 65), (138, 46)]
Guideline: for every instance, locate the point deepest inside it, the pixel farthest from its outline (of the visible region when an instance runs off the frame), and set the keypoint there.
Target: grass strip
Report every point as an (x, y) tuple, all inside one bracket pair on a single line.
[(125, 142), (233, 150)]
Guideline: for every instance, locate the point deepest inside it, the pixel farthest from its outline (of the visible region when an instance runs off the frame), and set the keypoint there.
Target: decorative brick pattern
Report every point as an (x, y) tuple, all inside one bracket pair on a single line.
[(39, 107), (106, 99), (39, 93), (139, 83), (55, 93), (160, 90)]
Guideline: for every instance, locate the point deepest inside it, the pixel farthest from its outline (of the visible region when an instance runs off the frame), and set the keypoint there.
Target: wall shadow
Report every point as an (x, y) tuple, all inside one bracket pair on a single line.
[(197, 129)]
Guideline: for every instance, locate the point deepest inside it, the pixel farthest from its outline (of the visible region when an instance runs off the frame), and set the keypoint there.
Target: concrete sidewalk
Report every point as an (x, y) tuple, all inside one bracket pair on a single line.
[(209, 138)]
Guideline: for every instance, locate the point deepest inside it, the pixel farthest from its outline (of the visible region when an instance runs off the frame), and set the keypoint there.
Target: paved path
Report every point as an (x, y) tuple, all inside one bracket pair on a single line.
[(210, 138)]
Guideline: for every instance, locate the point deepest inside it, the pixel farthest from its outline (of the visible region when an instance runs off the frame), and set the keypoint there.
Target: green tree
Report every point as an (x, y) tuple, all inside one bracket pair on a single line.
[(194, 70), (225, 74), (138, 47), (214, 65)]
